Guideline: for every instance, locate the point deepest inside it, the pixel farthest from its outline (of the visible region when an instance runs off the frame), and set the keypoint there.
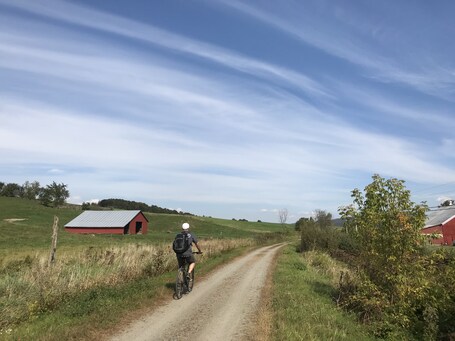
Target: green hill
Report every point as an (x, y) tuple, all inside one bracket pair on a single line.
[(26, 227)]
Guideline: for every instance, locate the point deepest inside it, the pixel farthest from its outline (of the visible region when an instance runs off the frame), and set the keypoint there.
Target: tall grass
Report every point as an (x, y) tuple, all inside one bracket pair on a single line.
[(31, 287)]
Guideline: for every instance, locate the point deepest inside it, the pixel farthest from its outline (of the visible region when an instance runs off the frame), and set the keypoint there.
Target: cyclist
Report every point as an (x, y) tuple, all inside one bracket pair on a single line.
[(188, 254)]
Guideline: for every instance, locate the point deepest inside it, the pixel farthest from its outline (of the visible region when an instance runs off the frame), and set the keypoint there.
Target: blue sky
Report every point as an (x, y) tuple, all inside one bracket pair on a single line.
[(225, 108)]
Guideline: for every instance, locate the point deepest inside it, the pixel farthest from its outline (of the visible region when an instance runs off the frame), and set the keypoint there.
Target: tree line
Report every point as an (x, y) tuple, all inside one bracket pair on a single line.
[(56, 194), (133, 205), (52, 195)]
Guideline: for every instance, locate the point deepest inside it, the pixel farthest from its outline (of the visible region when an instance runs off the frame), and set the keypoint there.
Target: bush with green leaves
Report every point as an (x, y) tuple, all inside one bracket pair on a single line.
[(399, 284), (332, 240), (386, 224)]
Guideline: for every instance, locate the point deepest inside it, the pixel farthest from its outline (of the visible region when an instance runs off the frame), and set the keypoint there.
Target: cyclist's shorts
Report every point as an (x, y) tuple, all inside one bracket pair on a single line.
[(185, 259)]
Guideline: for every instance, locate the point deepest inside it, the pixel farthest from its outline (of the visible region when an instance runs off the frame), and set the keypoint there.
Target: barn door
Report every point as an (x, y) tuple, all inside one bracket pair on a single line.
[(138, 226)]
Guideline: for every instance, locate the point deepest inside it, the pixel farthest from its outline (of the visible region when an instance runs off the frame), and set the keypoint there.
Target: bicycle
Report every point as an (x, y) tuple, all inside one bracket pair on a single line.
[(184, 283)]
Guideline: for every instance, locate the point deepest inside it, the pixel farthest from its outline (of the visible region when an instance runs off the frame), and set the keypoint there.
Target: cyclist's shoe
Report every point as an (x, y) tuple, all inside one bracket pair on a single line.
[(190, 278)]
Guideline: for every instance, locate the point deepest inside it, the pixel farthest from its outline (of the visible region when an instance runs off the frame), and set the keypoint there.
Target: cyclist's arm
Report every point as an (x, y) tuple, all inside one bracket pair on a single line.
[(198, 248)]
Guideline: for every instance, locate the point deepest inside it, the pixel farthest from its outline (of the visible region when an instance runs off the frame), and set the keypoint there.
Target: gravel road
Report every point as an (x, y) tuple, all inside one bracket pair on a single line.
[(219, 308)]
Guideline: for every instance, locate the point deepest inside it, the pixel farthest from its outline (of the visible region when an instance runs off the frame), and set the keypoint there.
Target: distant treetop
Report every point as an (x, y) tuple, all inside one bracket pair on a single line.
[(134, 205)]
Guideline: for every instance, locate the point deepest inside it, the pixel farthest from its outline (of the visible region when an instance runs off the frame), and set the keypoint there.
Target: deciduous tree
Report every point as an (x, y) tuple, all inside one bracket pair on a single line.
[(323, 218), (385, 222), (11, 190), (283, 216), (54, 195), (393, 285), (31, 190), (304, 223)]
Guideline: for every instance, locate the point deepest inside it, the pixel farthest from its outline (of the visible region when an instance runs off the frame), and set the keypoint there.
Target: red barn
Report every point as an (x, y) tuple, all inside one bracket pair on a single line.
[(441, 222), (109, 222)]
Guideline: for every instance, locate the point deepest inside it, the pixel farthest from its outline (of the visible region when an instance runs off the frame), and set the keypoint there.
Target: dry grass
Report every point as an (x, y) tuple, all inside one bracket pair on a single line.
[(29, 287), (325, 265)]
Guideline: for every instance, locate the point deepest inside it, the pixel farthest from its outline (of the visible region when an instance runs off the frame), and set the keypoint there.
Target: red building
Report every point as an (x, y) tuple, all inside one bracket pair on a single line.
[(109, 222), (441, 223)]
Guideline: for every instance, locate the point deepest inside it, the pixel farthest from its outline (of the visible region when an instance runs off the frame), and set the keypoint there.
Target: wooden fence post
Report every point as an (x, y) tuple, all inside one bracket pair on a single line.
[(54, 241)]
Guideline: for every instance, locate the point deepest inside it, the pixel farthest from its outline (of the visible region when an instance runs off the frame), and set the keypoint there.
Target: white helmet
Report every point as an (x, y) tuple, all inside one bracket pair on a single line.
[(185, 226)]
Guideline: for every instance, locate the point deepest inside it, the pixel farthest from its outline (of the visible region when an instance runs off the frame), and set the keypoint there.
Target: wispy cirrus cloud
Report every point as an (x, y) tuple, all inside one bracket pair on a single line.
[(416, 115), (346, 33), (125, 107), (94, 19)]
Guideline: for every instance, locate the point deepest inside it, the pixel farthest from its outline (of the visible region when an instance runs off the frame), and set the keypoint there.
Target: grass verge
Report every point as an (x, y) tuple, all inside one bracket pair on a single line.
[(302, 302)]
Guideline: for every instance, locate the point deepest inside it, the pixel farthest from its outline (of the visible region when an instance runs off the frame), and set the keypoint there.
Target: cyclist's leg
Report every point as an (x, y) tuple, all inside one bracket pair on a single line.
[(180, 280), (190, 275), (192, 263)]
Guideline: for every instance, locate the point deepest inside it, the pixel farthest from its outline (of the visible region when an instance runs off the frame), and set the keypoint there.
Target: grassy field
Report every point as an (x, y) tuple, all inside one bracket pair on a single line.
[(33, 232), (304, 288), (98, 279)]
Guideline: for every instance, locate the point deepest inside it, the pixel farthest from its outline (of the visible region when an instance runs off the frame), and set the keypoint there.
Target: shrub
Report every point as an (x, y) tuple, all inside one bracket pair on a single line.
[(332, 240), (399, 288), (386, 225), (398, 285)]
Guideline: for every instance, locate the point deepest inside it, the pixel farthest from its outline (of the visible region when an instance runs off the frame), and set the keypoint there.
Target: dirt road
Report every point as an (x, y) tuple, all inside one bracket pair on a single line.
[(219, 308)]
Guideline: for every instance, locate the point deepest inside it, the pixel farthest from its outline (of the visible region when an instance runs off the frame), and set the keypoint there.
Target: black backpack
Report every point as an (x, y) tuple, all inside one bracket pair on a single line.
[(181, 243)]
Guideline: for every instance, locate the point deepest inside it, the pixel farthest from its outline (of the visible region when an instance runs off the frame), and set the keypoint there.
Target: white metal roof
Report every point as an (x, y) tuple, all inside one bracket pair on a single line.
[(440, 216), (103, 219)]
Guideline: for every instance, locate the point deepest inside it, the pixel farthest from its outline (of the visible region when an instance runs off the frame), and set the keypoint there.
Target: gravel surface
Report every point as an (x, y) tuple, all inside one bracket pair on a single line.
[(219, 308)]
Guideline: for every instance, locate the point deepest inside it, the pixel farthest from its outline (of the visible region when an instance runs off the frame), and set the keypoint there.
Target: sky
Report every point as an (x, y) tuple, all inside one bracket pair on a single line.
[(227, 108)]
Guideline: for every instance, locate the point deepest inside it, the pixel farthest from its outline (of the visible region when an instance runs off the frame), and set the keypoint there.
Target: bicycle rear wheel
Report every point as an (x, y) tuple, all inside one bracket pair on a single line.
[(179, 284)]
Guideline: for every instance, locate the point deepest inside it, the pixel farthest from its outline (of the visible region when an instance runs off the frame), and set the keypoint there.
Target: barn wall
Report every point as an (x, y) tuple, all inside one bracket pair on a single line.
[(139, 218), (94, 230), (434, 229), (448, 231)]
